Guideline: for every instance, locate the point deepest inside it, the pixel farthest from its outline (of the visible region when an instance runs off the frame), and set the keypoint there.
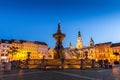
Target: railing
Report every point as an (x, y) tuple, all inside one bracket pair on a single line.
[(57, 63)]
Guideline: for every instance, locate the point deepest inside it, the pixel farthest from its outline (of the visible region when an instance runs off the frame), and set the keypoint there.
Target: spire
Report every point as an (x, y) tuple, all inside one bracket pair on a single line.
[(79, 35), (91, 39), (70, 45), (79, 43), (91, 42)]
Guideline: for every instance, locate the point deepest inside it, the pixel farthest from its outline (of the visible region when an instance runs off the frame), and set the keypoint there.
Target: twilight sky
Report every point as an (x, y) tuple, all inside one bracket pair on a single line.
[(38, 19)]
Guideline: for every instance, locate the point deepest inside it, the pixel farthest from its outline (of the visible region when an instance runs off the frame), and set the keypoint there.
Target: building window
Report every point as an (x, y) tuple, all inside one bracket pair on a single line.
[(7, 50), (8, 46), (2, 54), (3, 46), (6, 54)]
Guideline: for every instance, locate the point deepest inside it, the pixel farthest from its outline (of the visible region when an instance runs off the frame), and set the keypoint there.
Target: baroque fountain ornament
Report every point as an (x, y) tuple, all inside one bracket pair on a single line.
[(59, 52)]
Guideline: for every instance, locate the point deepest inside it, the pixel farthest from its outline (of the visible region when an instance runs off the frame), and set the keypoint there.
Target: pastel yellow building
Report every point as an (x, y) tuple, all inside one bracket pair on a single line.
[(17, 44), (103, 51), (115, 48), (42, 49), (100, 51), (36, 49)]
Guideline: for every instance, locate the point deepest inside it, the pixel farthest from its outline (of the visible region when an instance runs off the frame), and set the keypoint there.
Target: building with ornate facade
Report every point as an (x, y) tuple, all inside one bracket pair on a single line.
[(100, 51), (115, 49), (79, 43), (4, 48), (80, 51), (36, 49), (103, 51)]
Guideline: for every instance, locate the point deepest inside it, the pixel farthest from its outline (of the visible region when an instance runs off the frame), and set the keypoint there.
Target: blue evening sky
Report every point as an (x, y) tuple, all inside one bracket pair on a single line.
[(38, 19)]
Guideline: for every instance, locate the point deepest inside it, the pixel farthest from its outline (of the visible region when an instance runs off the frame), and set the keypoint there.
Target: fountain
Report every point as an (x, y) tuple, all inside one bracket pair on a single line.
[(59, 50)]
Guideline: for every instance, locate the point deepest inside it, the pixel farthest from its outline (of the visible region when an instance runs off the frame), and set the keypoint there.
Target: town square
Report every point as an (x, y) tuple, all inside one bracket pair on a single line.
[(59, 40)]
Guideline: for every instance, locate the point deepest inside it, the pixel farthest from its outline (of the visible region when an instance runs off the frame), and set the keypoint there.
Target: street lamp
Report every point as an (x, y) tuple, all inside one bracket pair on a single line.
[(28, 55), (28, 58)]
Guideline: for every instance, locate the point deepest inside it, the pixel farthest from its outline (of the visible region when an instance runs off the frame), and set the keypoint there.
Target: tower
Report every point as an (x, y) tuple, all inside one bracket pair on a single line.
[(70, 45), (79, 43), (91, 43)]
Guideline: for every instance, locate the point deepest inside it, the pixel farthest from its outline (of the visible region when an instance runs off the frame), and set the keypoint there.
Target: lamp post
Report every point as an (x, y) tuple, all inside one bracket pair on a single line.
[(81, 63), (28, 59), (28, 55), (62, 61)]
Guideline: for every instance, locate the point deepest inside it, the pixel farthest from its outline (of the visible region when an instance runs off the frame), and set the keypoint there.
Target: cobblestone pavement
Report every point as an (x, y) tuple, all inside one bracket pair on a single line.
[(69, 74)]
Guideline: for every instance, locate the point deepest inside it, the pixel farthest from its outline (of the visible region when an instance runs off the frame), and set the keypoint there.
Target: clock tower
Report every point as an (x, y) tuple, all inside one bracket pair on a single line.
[(79, 43)]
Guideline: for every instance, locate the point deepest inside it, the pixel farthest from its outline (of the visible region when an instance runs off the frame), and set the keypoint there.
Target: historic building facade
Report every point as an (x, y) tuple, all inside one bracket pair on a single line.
[(79, 43), (4, 48), (80, 51), (36, 49), (115, 49), (101, 51)]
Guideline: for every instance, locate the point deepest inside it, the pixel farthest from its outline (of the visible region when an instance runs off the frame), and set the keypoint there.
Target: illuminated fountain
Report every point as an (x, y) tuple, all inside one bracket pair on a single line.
[(60, 57), (59, 50)]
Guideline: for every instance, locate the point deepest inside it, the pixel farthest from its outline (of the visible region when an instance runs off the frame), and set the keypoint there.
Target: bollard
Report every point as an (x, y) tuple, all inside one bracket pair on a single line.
[(93, 63), (1, 67), (43, 63), (62, 61), (81, 67)]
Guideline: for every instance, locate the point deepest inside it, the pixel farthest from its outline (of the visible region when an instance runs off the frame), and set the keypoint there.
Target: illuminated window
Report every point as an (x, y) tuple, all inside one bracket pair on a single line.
[(6, 54), (2, 54)]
